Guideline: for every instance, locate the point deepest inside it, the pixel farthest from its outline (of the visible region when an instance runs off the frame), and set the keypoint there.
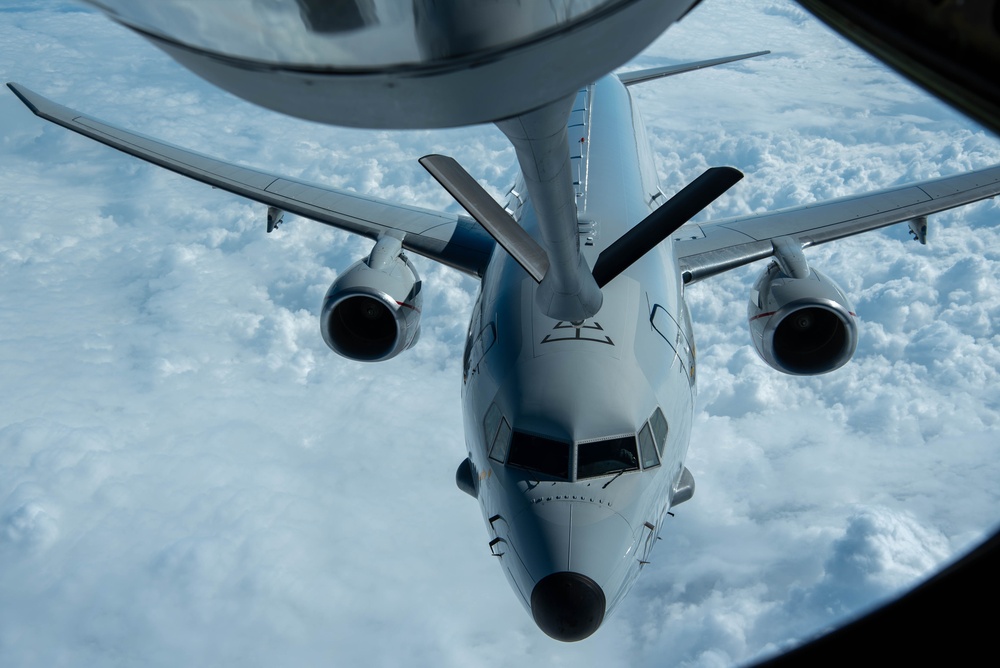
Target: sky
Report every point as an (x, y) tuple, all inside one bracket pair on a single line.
[(188, 476)]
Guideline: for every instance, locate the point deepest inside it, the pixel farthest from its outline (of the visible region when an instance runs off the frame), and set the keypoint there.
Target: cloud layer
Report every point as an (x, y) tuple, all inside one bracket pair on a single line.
[(188, 476)]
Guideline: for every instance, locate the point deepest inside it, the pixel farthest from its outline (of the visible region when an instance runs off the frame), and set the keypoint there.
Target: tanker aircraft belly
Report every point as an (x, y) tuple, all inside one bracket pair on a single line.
[(579, 368)]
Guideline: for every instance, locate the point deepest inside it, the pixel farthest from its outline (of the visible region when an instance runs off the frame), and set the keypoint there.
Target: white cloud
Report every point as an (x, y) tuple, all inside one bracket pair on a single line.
[(189, 476)]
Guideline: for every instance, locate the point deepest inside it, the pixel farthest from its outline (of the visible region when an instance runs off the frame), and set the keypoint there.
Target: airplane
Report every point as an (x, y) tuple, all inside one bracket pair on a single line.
[(577, 409)]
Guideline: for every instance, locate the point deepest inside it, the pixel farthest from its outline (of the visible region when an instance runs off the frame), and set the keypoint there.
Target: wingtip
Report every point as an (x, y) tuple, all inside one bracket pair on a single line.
[(22, 94)]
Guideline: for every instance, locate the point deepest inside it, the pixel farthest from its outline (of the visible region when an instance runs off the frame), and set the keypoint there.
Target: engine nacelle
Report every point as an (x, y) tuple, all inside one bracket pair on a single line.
[(802, 326), (372, 311)]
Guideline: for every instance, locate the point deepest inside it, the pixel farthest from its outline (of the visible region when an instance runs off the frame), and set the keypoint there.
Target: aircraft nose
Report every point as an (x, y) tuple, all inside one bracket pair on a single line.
[(568, 606)]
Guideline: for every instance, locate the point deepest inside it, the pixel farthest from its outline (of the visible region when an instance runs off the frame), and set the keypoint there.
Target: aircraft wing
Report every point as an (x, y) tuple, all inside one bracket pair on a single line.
[(642, 76), (708, 249), (451, 239)]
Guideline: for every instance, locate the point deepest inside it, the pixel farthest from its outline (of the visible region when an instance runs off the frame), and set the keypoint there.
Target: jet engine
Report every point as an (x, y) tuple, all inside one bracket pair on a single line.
[(801, 326), (372, 311)]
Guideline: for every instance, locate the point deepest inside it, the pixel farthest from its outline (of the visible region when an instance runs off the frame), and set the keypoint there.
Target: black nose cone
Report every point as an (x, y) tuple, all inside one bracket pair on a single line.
[(567, 606)]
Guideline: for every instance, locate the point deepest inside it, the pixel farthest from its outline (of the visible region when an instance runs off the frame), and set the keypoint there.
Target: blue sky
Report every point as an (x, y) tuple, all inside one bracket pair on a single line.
[(189, 476)]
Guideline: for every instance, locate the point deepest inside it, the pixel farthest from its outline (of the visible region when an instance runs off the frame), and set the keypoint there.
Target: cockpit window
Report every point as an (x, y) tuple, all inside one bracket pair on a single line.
[(500, 443), (659, 425), (609, 456), (647, 449), (490, 423), (539, 454)]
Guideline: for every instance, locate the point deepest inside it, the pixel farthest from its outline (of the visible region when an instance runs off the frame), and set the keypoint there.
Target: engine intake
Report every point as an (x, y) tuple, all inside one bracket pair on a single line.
[(801, 326), (372, 311)]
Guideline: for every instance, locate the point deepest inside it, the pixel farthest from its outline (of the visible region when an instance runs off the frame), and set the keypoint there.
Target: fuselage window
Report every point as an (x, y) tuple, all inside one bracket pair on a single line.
[(647, 449), (659, 425), (539, 454), (499, 449), (609, 456)]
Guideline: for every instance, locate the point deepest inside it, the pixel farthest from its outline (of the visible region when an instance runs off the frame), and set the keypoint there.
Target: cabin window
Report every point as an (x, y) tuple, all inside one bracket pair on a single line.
[(659, 425), (647, 450), (539, 454), (611, 455), (498, 451)]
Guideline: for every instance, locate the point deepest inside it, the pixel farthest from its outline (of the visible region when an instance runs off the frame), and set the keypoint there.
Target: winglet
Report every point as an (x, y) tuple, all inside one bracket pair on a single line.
[(640, 76)]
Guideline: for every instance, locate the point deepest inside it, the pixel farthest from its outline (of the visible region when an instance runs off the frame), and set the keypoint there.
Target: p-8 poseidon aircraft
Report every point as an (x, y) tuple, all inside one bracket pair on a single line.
[(579, 368)]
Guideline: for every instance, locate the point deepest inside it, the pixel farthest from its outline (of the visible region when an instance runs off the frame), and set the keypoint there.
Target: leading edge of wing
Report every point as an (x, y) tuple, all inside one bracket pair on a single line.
[(451, 239), (707, 249)]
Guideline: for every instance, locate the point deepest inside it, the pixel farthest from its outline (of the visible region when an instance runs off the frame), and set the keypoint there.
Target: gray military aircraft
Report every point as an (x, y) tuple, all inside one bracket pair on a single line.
[(580, 365)]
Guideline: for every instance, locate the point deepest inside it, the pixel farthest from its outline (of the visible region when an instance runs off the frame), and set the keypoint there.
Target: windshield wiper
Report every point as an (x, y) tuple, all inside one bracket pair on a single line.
[(618, 473)]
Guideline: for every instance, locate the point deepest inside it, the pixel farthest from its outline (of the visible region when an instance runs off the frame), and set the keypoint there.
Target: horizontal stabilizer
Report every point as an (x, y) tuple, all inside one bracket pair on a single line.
[(663, 222), (640, 76), (494, 219)]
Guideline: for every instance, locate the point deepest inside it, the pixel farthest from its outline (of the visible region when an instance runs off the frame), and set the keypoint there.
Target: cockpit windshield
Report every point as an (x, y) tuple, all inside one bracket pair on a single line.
[(553, 458), (539, 454), (611, 455)]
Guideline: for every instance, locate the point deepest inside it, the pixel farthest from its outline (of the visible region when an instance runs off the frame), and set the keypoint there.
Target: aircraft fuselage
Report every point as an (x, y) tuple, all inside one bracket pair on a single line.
[(561, 420)]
